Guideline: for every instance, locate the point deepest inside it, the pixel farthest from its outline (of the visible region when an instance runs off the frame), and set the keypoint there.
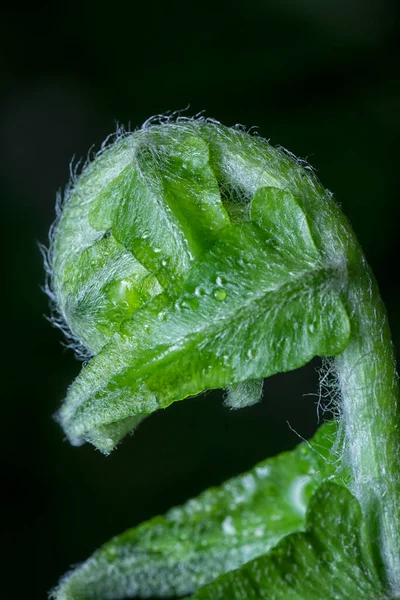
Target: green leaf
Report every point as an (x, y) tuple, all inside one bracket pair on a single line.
[(170, 208), (214, 533), (279, 213), (104, 285), (156, 200), (249, 308), (332, 559)]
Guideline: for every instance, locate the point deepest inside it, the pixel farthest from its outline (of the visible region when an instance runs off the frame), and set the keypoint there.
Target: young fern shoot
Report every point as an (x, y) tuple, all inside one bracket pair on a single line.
[(190, 256)]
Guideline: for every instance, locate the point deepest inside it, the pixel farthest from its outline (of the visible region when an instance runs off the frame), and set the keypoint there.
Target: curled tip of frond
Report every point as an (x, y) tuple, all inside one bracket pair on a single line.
[(77, 167)]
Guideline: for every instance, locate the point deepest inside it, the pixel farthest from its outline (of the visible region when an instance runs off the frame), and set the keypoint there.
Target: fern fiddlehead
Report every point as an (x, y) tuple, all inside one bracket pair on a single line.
[(190, 256)]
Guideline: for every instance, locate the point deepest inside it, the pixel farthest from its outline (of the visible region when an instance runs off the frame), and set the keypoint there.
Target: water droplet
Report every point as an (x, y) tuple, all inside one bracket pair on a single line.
[(199, 291), (85, 364), (219, 294), (157, 250), (220, 281), (164, 262), (162, 315), (312, 328), (145, 235)]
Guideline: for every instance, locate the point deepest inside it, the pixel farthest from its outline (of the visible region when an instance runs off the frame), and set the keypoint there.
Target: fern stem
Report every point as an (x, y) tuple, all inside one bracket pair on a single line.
[(371, 415)]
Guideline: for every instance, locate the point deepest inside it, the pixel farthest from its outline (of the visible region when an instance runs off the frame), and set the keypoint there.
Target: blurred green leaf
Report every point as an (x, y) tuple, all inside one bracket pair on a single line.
[(332, 559), (216, 532)]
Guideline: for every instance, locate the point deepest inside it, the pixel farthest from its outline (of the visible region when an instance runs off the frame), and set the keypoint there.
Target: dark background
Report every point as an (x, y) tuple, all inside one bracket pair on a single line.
[(319, 77)]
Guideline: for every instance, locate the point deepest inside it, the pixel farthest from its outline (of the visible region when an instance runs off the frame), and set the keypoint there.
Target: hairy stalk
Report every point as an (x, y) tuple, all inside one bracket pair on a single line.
[(369, 390), (370, 406)]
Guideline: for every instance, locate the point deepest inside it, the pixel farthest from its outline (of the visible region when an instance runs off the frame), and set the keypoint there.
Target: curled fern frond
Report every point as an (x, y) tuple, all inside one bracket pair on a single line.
[(184, 259)]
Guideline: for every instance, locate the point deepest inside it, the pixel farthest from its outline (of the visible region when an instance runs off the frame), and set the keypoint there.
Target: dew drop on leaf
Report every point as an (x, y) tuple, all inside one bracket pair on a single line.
[(219, 294), (199, 291)]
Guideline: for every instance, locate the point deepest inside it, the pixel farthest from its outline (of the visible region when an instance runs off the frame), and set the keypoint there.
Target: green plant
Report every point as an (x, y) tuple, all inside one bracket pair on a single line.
[(190, 256)]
